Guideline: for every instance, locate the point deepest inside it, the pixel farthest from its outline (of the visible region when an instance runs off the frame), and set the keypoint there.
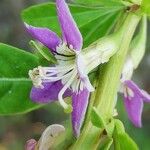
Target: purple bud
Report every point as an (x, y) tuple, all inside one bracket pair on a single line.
[(30, 144)]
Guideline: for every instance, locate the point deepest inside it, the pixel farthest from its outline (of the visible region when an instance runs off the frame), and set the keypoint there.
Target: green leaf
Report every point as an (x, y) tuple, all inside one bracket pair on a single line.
[(110, 3), (90, 20), (146, 7), (100, 27), (126, 143), (97, 119), (122, 141), (15, 85)]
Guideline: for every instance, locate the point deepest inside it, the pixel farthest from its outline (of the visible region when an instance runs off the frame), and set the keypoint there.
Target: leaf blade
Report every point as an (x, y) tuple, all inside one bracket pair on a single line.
[(15, 85)]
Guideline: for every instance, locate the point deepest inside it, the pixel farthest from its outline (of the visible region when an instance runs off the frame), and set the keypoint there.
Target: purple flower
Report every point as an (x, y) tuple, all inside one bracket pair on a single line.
[(134, 97), (69, 76)]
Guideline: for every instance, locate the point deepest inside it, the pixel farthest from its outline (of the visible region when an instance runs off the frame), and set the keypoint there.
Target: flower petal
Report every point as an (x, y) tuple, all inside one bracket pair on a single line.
[(134, 107), (45, 36), (146, 96), (130, 84), (133, 100), (128, 69), (70, 32), (49, 93), (79, 103)]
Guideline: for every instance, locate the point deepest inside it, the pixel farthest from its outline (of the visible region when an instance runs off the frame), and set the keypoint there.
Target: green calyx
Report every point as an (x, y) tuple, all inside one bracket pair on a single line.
[(43, 51), (99, 121)]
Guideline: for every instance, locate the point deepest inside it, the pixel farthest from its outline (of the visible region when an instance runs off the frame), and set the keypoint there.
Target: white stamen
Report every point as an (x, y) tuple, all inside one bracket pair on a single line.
[(75, 85), (53, 79), (72, 75), (89, 85), (60, 95), (34, 75), (42, 72), (61, 68)]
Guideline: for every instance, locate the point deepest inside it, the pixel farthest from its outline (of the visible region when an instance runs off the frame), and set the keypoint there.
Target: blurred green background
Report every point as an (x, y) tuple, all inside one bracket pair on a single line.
[(16, 130)]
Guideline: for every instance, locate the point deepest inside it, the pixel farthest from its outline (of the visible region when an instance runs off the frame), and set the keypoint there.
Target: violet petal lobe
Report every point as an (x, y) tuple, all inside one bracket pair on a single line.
[(47, 37), (133, 102), (70, 32), (130, 84), (49, 93), (146, 96), (79, 103), (134, 107)]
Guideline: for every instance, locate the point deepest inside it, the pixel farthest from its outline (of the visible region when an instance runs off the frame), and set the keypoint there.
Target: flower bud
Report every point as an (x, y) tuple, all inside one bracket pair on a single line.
[(138, 45), (31, 144), (49, 136)]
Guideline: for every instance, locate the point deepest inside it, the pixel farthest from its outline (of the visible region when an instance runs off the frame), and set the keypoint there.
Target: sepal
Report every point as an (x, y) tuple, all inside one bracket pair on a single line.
[(44, 51), (98, 120)]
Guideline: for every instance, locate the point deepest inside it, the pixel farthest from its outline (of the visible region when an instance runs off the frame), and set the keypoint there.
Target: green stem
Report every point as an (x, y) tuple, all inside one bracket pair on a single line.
[(107, 87), (110, 80)]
